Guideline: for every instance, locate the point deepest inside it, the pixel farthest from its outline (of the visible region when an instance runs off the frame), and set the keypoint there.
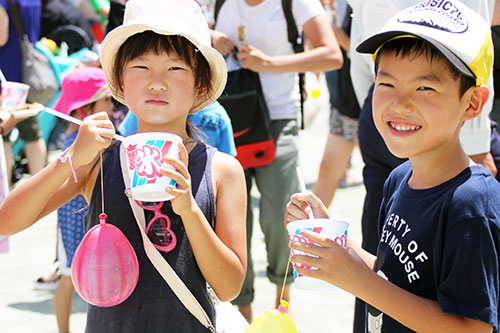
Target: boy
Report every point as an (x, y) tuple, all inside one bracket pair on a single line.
[(437, 264)]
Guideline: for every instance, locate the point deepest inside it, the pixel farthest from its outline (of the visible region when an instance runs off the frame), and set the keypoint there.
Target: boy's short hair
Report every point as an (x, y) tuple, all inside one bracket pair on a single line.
[(462, 36), (415, 47)]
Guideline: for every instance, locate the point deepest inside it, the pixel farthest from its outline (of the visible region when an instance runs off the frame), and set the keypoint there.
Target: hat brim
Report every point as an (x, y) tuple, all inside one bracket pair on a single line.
[(119, 35), (373, 44)]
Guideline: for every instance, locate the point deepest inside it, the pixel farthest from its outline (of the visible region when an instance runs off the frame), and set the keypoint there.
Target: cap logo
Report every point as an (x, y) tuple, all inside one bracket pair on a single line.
[(437, 14)]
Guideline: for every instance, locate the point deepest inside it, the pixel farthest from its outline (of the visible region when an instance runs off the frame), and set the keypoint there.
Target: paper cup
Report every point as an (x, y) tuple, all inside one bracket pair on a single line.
[(145, 153), (332, 229), (14, 94)]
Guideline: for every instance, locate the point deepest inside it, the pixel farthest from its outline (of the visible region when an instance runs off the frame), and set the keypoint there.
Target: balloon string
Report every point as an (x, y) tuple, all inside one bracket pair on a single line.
[(102, 183), (284, 280)]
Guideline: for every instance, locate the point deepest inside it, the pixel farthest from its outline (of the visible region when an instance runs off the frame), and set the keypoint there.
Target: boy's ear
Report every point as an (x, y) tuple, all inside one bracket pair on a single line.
[(477, 99)]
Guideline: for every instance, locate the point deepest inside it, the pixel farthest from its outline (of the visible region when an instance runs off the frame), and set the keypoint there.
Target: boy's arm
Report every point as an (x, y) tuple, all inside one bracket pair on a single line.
[(348, 271)]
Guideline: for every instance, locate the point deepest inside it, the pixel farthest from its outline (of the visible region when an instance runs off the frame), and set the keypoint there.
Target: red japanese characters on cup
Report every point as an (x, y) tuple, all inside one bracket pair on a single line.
[(332, 229), (145, 156)]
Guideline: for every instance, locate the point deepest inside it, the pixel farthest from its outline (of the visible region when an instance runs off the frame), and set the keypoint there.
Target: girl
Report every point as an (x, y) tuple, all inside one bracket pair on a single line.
[(161, 65), (83, 93)]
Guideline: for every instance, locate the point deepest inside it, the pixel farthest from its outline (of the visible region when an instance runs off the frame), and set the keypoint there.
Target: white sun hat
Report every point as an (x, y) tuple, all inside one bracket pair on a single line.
[(165, 17), (455, 30)]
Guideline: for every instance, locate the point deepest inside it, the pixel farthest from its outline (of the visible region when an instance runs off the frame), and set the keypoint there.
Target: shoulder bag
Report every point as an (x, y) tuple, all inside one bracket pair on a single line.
[(36, 69)]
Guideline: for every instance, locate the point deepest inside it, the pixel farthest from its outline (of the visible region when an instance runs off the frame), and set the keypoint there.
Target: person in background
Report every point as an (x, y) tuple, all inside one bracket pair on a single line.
[(342, 139), (83, 92), (10, 64), (212, 122), (257, 30)]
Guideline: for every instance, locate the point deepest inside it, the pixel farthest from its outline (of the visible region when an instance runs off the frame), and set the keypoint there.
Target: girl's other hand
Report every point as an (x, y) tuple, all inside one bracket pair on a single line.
[(183, 201), (301, 204), (96, 133)]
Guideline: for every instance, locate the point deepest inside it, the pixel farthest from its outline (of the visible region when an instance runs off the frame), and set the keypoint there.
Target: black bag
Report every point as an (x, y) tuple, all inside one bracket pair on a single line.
[(246, 106), (36, 69)]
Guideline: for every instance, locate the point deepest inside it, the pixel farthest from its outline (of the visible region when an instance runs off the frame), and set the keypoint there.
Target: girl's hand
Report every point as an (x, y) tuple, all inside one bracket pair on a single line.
[(301, 204), (183, 201), (254, 59), (336, 265), (96, 133)]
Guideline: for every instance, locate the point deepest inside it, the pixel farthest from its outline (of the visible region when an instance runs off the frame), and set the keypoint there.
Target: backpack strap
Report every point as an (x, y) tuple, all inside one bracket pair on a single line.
[(298, 46), (218, 5), (293, 38), (14, 9)]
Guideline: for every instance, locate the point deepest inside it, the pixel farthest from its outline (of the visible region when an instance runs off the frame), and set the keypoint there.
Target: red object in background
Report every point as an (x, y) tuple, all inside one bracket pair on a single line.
[(98, 32)]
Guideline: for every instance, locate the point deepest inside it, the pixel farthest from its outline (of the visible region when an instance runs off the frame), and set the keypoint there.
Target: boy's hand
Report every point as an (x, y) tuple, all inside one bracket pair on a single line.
[(336, 265), (183, 201), (301, 204), (96, 133)]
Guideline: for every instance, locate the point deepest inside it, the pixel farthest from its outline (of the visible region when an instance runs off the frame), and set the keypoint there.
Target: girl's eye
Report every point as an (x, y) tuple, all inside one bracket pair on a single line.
[(175, 68), (384, 84), (140, 67)]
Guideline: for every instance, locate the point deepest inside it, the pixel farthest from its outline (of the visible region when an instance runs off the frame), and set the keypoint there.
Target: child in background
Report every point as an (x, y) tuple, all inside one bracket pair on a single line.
[(437, 264), (161, 65), (213, 122), (83, 92)]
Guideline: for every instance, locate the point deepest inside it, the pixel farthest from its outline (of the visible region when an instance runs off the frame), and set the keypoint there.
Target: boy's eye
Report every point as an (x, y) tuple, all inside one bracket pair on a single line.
[(140, 67), (175, 68), (425, 89)]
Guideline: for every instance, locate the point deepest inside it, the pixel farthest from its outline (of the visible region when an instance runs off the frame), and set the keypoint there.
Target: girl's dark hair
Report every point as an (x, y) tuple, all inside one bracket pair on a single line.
[(415, 47), (147, 41)]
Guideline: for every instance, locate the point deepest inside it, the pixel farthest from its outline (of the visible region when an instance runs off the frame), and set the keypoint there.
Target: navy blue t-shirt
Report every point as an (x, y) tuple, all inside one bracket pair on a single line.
[(442, 244), (10, 53)]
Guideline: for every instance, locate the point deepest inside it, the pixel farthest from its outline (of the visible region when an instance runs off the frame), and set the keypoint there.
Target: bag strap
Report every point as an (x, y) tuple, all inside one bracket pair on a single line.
[(161, 265), (13, 7), (293, 38)]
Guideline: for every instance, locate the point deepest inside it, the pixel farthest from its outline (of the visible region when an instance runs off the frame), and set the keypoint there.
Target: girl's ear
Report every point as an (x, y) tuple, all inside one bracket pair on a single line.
[(477, 99)]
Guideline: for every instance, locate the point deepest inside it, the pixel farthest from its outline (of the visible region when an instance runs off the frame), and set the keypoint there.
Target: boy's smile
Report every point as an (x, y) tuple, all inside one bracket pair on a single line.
[(416, 106)]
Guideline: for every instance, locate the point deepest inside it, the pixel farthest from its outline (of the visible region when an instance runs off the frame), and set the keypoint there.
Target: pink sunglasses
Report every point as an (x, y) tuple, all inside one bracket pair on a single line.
[(158, 228)]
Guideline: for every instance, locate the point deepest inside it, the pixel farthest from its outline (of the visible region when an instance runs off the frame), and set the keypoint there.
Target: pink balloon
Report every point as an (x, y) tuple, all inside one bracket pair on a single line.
[(105, 268)]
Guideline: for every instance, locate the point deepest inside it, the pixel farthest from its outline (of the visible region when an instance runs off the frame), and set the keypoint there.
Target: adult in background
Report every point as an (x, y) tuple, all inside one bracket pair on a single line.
[(266, 50), (10, 64)]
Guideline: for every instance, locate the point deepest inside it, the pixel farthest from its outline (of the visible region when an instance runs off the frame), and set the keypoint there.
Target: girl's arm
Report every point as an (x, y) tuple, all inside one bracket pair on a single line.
[(221, 255), (324, 55), (345, 269), (54, 185), (4, 26)]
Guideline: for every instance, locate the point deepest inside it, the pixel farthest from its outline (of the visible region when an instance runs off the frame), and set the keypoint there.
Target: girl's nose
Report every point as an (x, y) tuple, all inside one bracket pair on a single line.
[(158, 83)]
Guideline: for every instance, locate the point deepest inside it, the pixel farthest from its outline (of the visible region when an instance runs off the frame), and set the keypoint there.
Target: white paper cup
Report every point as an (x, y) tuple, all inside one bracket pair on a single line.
[(145, 153), (332, 229), (14, 94)]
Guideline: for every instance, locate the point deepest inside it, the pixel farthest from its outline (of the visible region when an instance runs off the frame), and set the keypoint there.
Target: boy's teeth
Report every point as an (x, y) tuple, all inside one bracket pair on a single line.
[(404, 127)]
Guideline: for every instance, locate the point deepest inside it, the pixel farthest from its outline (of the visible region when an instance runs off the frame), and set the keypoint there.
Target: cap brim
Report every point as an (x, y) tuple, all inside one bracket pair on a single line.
[(372, 45)]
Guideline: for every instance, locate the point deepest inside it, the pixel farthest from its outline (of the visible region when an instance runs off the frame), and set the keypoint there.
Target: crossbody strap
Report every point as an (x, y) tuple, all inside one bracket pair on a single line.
[(162, 266)]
